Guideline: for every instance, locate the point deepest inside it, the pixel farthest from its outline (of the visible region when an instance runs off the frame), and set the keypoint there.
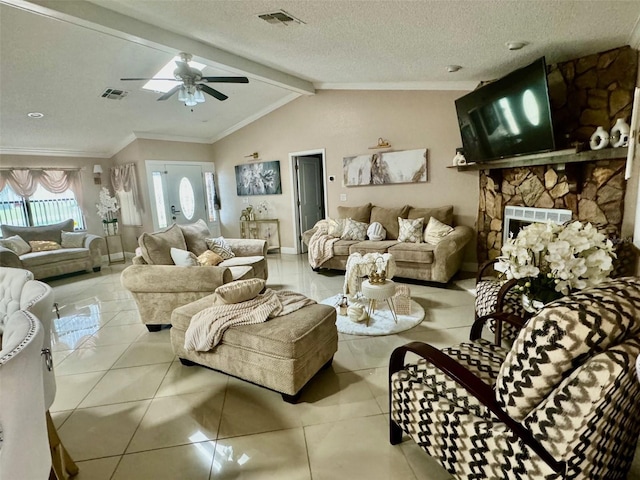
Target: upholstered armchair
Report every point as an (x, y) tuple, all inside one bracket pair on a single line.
[(495, 294), (562, 402), (20, 293)]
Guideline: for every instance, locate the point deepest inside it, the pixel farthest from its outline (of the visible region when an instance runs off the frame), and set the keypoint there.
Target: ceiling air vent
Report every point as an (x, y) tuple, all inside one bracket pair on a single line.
[(280, 18), (114, 94)]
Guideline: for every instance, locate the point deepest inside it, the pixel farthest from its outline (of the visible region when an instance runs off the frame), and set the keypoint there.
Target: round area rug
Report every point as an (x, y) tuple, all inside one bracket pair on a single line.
[(380, 323)]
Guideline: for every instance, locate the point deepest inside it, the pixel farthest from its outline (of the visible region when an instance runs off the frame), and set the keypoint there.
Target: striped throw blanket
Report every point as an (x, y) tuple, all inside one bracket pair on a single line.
[(208, 326)]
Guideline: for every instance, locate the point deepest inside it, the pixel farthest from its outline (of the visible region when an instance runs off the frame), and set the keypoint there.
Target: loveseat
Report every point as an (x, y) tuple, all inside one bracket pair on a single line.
[(159, 286), (71, 252), (418, 260)]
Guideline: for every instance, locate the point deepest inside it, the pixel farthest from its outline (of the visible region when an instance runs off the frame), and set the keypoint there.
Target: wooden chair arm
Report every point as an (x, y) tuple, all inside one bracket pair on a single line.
[(499, 317), (475, 386), (484, 267)]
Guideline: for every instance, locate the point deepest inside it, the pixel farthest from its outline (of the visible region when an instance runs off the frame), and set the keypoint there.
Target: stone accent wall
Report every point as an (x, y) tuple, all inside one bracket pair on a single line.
[(593, 191), (591, 91)]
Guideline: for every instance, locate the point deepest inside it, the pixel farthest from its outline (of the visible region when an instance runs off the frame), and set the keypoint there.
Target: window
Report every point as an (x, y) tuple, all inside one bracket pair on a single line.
[(41, 208)]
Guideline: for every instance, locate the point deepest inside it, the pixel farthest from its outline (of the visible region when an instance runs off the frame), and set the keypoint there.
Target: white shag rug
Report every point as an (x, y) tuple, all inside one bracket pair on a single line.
[(380, 323)]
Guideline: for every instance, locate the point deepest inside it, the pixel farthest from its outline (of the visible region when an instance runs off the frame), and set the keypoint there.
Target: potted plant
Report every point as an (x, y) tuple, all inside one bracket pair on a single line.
[(107, 207), (550, 260)]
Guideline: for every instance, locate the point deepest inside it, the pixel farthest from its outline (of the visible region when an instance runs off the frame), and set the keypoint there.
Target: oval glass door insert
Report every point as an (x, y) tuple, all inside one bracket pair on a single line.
[(187, 199)]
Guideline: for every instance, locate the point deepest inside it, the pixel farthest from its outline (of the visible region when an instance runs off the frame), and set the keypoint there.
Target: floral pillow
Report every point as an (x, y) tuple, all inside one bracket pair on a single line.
[(354, 230), (436, 231), (336, 227), (410, 230), (15, 244), (221, 247)]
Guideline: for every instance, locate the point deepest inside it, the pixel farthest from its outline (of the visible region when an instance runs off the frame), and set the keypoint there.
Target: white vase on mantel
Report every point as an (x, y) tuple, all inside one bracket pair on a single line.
[(599, 139), (620, 134)]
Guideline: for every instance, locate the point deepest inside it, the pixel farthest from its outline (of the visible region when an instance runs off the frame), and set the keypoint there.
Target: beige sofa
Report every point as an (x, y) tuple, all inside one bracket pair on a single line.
[(420, 261), (158, 286), (52, 262)]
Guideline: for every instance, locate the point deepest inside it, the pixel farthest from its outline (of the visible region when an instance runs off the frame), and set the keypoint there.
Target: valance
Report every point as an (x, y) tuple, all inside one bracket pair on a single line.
[(123, 179), (24, 182)]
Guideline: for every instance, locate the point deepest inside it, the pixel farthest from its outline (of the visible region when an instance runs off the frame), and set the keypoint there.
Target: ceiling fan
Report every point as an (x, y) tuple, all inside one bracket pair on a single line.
[(192, 83)]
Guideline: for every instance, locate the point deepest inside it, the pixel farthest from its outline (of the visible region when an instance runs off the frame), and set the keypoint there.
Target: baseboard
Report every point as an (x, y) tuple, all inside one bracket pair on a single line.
[(288, 250)]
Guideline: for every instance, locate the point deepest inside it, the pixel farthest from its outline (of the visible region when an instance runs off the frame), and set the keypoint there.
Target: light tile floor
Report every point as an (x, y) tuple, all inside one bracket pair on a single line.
[(127, 409)]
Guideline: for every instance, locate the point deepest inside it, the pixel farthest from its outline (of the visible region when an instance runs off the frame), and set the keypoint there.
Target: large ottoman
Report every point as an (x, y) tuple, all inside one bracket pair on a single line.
[(282, 354)]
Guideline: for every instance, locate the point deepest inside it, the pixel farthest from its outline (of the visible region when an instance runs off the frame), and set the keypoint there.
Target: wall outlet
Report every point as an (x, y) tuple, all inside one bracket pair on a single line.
[(343, 197)]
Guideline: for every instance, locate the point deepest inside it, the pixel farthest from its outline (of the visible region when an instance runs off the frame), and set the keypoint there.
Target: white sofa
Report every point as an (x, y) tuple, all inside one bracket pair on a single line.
[(52, 262)]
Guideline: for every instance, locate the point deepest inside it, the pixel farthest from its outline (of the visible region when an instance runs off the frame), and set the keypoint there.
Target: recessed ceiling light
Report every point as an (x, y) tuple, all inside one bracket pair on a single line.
[(35, 115), (453, 68), (515, 45)]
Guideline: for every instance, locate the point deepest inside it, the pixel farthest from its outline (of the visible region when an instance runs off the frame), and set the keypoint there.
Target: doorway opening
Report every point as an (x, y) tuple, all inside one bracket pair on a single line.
[(309, 192)]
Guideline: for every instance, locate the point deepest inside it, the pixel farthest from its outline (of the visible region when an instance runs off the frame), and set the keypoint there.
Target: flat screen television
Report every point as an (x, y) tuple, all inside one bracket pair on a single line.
[(508, 117)]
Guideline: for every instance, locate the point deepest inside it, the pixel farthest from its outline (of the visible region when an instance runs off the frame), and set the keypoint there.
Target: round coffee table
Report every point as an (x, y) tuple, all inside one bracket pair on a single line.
[(380, 291)]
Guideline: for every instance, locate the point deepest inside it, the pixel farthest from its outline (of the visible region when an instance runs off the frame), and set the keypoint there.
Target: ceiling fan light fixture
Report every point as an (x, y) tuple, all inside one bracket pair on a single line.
[(182, 94), (191, 100), (198, 96)]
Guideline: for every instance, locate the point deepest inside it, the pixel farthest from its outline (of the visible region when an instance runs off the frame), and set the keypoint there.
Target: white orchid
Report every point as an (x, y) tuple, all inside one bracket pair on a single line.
[(107, 206), (552, 260)]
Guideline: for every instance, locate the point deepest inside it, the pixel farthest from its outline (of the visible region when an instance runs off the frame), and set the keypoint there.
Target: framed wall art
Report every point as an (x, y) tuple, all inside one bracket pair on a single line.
[(262, 178), (385, 168)]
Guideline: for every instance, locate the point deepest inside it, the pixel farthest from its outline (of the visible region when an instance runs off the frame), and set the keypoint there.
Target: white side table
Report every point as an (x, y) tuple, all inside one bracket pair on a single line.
[(380, 291), (115, 249)]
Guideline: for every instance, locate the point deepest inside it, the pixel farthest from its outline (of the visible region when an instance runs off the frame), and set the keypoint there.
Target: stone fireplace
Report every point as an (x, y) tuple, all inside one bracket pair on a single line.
[(591, 191)]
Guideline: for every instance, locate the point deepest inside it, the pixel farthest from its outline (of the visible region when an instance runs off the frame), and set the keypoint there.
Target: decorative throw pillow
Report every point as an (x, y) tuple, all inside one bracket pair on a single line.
[(195, 235), (388, 218), (436, 231), (354, 230), (240, 290), (15, 244), (444, 214), (221, 247), (183, 258), (410, 230), (156, 247), (209, 259), (73, 239), (335, 227), (359, 214), (376, 232), (44, 245)]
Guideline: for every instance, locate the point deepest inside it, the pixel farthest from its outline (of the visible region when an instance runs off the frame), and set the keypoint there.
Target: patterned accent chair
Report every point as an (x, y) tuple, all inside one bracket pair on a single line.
[(494, 295), (561, 403)]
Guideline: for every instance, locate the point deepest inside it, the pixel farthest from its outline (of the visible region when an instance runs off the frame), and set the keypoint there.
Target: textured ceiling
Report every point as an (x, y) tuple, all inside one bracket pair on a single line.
[(59, 62)]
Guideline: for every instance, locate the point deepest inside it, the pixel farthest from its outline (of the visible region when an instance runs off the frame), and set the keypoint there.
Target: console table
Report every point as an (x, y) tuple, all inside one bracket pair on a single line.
[(267, 229)]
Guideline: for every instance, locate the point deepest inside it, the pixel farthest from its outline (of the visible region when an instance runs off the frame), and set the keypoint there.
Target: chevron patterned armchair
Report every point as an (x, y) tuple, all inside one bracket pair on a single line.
[(562, 402)]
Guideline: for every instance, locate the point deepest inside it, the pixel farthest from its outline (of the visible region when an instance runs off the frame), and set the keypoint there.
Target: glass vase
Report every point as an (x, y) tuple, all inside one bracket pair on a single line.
[(110, 227), (531, 305)]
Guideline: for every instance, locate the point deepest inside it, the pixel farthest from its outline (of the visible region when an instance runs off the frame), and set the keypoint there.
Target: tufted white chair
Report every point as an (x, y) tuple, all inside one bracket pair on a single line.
[(24, 445), (19, 291)]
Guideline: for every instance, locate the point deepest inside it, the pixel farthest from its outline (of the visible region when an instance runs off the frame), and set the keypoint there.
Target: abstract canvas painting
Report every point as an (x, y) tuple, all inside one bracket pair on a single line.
[(408, 166), (262, 178)]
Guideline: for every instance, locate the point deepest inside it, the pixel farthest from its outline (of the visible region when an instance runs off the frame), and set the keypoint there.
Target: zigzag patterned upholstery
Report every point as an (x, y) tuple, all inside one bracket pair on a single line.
[(561, 403), (486, 304)]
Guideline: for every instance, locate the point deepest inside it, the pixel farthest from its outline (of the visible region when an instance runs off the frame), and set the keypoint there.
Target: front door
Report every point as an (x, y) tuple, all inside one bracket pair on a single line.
[(181, 193), (186, 202)]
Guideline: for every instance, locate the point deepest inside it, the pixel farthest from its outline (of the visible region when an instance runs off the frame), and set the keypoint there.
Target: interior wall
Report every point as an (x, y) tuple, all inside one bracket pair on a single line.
[(138, 152), (347, 123), (90, 191)]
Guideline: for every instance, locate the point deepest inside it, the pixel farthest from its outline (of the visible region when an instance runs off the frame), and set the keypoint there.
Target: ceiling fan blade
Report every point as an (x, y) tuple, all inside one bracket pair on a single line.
[(225, 79), (163, 79), (214, 93), (170, 92)]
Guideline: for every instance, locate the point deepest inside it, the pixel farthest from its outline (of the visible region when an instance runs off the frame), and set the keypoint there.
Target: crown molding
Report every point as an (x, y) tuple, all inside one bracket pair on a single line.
[(459, 85), (123, 144), (169, 138), (265, 111), (44, 152)]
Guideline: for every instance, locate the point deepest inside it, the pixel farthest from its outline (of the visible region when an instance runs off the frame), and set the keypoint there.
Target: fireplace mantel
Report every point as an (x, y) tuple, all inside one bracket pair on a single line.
[(559, 157)]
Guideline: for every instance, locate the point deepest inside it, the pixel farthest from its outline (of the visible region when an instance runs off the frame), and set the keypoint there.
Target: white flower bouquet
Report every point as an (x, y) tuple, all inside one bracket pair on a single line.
[(551, 260), (107, 205)]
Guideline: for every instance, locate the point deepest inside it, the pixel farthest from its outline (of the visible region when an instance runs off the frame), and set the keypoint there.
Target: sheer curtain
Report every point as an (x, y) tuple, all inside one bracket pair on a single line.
[(125, 184)]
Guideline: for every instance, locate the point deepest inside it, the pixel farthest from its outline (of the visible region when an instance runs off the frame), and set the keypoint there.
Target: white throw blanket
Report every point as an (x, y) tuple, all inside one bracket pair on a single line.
[(208, 326), (320, 248), (359, 266)]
